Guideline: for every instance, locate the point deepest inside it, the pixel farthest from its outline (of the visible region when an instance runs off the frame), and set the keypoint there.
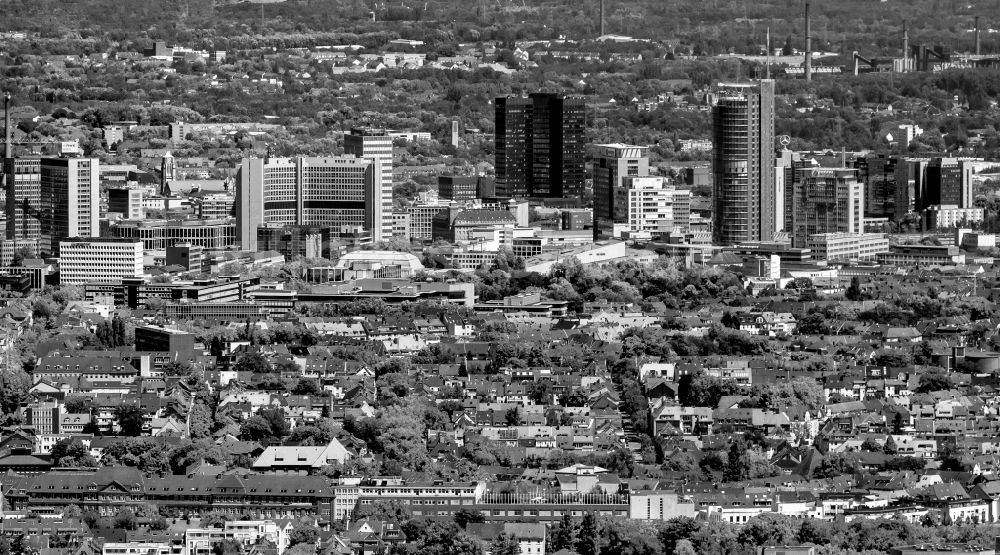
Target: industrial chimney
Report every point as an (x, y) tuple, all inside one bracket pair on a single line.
[(602, 18), (977, 35), (906, 48), (7, 135), (808, 62)]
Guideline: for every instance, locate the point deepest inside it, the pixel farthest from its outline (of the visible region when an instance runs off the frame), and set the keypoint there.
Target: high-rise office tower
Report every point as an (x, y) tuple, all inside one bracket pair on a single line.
[(23, 197), (744, 163), (615, 162), (540, 146), (375, 144), (312, 191), (826, 200), (948, 183), (69, 200), (878, 173), (651, 207), (910, 177)]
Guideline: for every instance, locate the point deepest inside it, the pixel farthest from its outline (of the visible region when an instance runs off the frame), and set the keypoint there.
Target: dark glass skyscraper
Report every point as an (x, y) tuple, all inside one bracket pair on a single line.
[(540, 146), (744, 203)]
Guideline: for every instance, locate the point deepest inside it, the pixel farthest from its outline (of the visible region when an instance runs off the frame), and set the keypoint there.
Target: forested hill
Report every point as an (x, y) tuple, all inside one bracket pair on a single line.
[(711, 26)]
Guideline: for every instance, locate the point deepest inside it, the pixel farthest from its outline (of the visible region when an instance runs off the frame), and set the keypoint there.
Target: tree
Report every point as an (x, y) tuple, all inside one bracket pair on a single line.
[(130, 419), (227, 547), (854, 292), (76, 405), (890, 447), (933, 381), (836, 464), (72, 453), (307, 386), (125, 520), (684, 547), (564, 534), (303, 533), (254, 363), (505, 544), (463, 517), (730, 320), (872, 446), (891, 358), (513, 417), (588, 540)]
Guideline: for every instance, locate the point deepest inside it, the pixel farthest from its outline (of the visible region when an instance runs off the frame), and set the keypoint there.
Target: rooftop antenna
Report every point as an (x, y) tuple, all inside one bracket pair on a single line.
[(767, 57)]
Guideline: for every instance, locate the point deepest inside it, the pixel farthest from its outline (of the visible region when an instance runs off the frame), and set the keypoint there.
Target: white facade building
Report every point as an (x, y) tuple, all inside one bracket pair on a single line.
[(93, 259)]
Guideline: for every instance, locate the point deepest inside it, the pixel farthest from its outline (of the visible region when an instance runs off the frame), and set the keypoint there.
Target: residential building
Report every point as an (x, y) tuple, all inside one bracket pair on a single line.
[(69, 201), (744, 162), (847, 246), (127, 202), (331, 192), (826, 200), (612, 164), (375, 145), (540, 146), (94, 259)]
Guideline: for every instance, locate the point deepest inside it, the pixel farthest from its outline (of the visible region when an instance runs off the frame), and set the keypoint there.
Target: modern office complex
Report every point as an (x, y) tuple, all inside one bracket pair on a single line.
[(613, 163), (69, 200), (160, 234), (648, 207), (540, 146), (826, 200), (92, 259), (309, 241), (331, 192), (375, 144), (744, 163)]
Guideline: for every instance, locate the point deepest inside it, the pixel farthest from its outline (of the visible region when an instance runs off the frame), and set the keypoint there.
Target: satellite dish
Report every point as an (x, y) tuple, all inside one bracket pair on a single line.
[(888, 137), (784, 140)]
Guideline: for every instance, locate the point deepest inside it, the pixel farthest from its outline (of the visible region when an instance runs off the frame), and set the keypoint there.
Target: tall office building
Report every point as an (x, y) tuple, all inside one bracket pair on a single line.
[(540, 146), (69, 200), (744, 163), (949, 182), (878, 173), (375, 144), (23, 197), (826, 200), (313, 191), (910, 176), (615, 162)]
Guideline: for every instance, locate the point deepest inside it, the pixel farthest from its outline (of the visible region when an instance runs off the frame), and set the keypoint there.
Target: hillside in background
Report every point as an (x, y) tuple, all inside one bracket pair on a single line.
[(709, 27)]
